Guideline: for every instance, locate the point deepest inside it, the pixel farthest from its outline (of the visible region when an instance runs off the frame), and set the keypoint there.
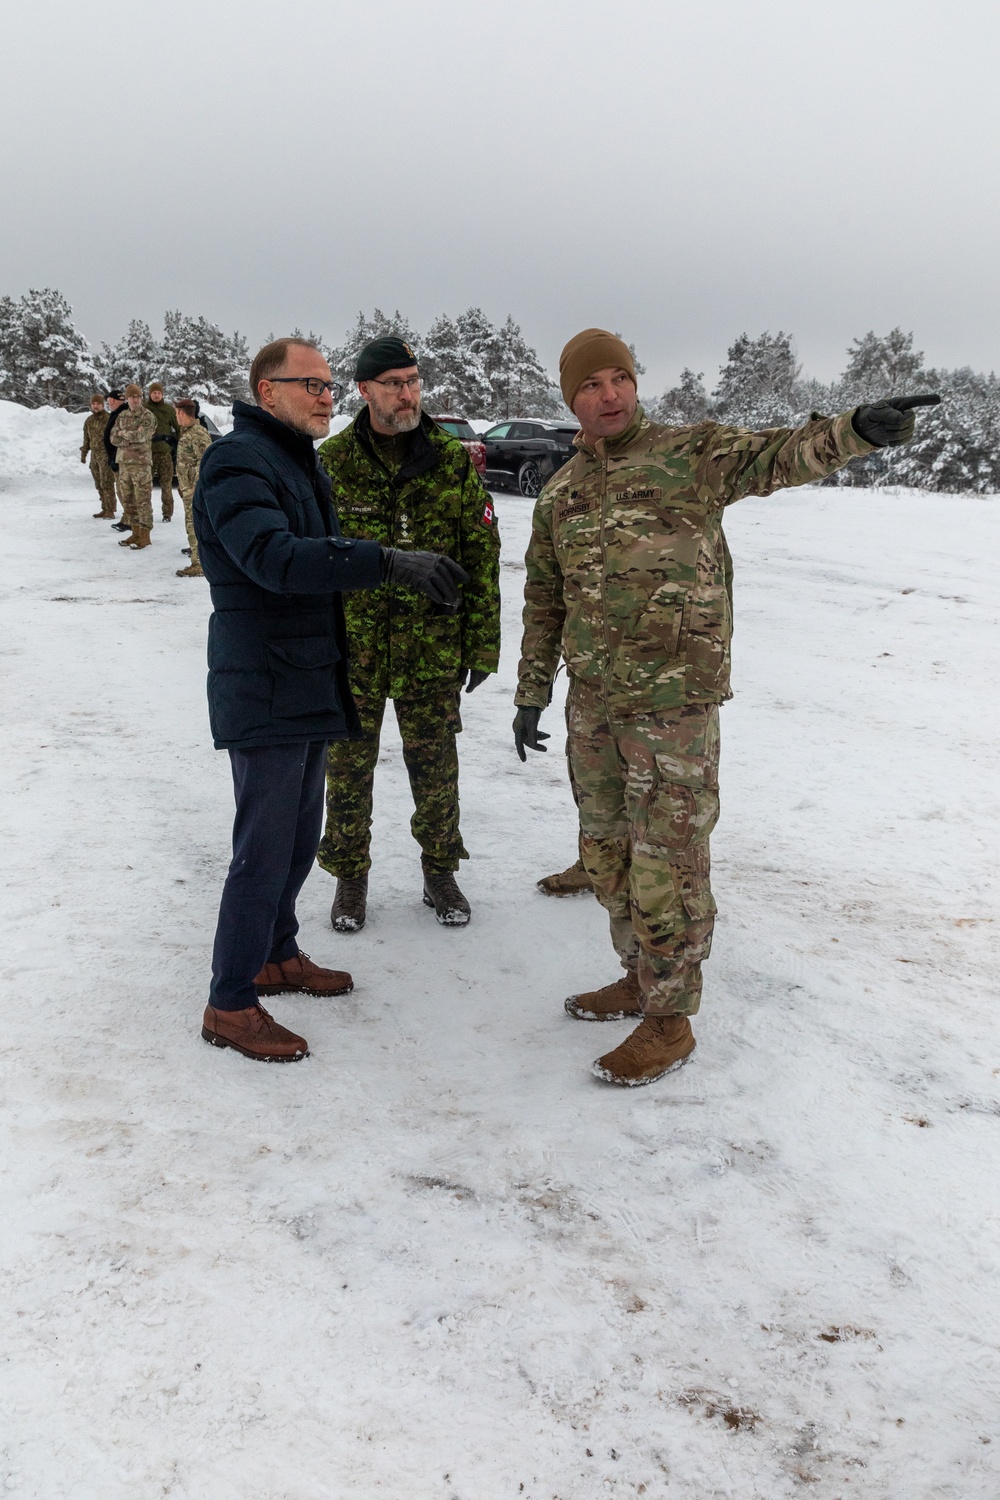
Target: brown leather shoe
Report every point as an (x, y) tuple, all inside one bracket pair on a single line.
[(657, 1046), (571, 882), (299, 975), (613, 1002), (254, 1033)]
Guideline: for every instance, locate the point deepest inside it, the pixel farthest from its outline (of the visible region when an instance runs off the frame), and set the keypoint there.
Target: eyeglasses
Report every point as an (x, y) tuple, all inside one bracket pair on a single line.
[(313, 386), (395, 386)]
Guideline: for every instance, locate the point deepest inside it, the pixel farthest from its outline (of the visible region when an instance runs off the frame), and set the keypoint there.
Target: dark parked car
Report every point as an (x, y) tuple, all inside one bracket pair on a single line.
[(473, 445), (524, 454)]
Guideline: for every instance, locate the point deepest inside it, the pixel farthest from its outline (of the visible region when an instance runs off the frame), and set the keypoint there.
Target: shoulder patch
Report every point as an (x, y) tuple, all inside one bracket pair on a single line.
[(489, 514)]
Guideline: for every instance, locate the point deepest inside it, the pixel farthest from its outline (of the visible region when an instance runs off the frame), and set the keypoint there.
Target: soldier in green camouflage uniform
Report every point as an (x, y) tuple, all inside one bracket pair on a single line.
[(100, 469), (629, 578), (132, 436), (191, 444), (413, 489), (164, 440)]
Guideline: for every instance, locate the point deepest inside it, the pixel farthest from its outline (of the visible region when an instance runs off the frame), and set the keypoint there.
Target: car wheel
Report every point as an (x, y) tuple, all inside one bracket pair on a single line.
[(529, 479)]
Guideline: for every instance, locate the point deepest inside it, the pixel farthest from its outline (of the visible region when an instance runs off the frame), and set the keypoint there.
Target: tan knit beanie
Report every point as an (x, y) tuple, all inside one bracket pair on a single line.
[(156, 386), (133, 390), (593, 349)]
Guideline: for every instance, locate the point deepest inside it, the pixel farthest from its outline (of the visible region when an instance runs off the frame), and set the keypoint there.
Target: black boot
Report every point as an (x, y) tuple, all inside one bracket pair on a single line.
[(350, 904), (441, 891)]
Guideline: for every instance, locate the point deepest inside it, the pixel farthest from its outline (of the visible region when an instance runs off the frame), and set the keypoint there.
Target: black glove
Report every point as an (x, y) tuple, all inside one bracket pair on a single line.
[(527, 732), (890, 422), (476, 679), (438, 577)]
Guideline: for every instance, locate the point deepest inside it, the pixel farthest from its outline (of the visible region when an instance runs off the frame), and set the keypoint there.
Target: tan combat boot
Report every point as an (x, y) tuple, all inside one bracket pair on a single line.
[(571, 882), (140, 538), (657, 1046), (254, 1033), (126, 541), (614, 1002), (191, 571)]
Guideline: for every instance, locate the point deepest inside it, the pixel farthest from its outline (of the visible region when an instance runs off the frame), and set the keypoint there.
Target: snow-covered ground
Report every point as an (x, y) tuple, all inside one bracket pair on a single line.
[(438, 1259)]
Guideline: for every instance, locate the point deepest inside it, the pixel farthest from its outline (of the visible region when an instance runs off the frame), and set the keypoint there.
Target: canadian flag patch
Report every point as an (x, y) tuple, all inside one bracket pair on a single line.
[(488, 514)]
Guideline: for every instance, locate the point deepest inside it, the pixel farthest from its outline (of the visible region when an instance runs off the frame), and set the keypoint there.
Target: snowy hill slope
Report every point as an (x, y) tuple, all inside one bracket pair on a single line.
[(437, 1260)]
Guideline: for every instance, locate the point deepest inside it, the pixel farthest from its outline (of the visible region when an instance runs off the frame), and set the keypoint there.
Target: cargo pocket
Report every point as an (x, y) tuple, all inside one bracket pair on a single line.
[(681, 816), (691, 870), (302, 670)]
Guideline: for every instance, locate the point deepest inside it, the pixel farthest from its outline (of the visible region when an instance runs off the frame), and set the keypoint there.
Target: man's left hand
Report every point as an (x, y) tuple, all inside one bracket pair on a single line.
[(891, 421), (476, 679)]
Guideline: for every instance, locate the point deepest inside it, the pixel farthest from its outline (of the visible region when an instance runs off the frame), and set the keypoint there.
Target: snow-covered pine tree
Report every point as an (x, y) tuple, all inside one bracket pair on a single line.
[(44, 358), (136, 356), (343, 357), (957, 444), (758, 384), (877, 365), (202, 361), (454, 376), (683, 404), (519, 384)]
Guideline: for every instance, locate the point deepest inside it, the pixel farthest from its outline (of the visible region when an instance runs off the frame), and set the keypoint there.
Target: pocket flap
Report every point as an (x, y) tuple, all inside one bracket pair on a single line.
[(305, 651)]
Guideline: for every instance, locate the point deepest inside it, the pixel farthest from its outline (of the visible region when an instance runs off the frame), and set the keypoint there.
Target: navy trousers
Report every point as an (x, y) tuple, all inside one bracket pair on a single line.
[(280, 795)]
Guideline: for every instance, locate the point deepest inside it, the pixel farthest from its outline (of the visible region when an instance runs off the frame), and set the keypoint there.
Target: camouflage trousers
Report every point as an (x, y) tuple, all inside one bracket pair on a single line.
[(648, 794), (428, 727), (135, 489), (104, 483), (163, 474), (189, 523)]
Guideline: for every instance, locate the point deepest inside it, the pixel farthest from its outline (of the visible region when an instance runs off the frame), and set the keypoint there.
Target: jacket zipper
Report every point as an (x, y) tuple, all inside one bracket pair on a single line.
[(604, 576)]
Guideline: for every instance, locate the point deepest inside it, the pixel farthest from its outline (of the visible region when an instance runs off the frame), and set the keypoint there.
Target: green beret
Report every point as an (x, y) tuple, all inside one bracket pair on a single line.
[(383, 354)]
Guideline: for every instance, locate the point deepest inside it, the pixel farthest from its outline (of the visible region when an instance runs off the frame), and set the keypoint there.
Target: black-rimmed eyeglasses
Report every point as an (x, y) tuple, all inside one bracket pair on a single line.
[(394, 385), (314, 386)]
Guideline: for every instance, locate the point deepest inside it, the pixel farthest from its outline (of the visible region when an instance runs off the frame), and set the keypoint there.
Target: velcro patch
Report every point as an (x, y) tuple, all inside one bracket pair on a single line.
[(652, 492), (488, 513), (580, 508)]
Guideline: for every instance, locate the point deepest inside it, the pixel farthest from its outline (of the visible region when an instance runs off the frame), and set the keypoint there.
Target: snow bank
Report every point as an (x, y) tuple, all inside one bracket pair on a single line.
[(44, 441)]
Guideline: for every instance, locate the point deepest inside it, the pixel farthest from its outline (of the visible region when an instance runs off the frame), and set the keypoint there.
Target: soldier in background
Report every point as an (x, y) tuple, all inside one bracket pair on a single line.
[(191, 444), (100, 469), (628, 577), (399, 479), (164, 442), (117, 405), (132, 436)]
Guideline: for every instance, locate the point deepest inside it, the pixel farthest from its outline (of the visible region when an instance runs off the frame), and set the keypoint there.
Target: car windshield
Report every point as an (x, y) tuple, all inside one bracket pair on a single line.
[(458, 427)]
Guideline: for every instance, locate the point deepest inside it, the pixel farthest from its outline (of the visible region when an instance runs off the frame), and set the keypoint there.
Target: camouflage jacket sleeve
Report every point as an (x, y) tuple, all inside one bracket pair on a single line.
[(480, 542), (735, 462), (544, 612), (85, 449)]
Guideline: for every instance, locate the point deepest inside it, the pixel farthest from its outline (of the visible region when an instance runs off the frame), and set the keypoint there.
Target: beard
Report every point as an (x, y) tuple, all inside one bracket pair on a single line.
[(399, 421)]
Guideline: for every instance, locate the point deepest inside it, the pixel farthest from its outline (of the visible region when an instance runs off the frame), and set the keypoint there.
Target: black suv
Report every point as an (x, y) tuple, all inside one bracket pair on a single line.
[(526, 453)]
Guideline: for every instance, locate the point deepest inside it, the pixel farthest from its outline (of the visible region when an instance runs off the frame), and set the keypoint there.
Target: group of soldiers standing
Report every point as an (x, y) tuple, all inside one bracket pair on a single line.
[(132, 442)]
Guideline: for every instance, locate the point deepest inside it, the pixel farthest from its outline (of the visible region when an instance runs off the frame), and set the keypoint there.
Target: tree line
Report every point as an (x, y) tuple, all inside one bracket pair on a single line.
[(473, 367)]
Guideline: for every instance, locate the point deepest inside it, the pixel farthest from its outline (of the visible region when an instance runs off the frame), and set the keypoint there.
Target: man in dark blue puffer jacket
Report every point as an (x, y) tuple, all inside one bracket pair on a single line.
[(277, 565)]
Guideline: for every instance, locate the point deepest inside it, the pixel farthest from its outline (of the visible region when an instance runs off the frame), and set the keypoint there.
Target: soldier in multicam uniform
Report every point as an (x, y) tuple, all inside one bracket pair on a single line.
[(132, 436), (191, 444), (628, 576), (100, 469), (400, 480), (164, 440)]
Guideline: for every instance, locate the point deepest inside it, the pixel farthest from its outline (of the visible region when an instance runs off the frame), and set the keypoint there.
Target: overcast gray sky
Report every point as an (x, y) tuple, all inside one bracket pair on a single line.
[(681, 170)]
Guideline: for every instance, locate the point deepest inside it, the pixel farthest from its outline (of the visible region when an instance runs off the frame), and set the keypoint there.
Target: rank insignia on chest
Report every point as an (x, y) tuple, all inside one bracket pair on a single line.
[(488, 513)]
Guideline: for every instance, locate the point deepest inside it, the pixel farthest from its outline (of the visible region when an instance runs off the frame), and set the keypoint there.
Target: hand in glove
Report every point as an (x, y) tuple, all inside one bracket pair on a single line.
[(438, 577), (527, 732), (476, 679), (891, 421)]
